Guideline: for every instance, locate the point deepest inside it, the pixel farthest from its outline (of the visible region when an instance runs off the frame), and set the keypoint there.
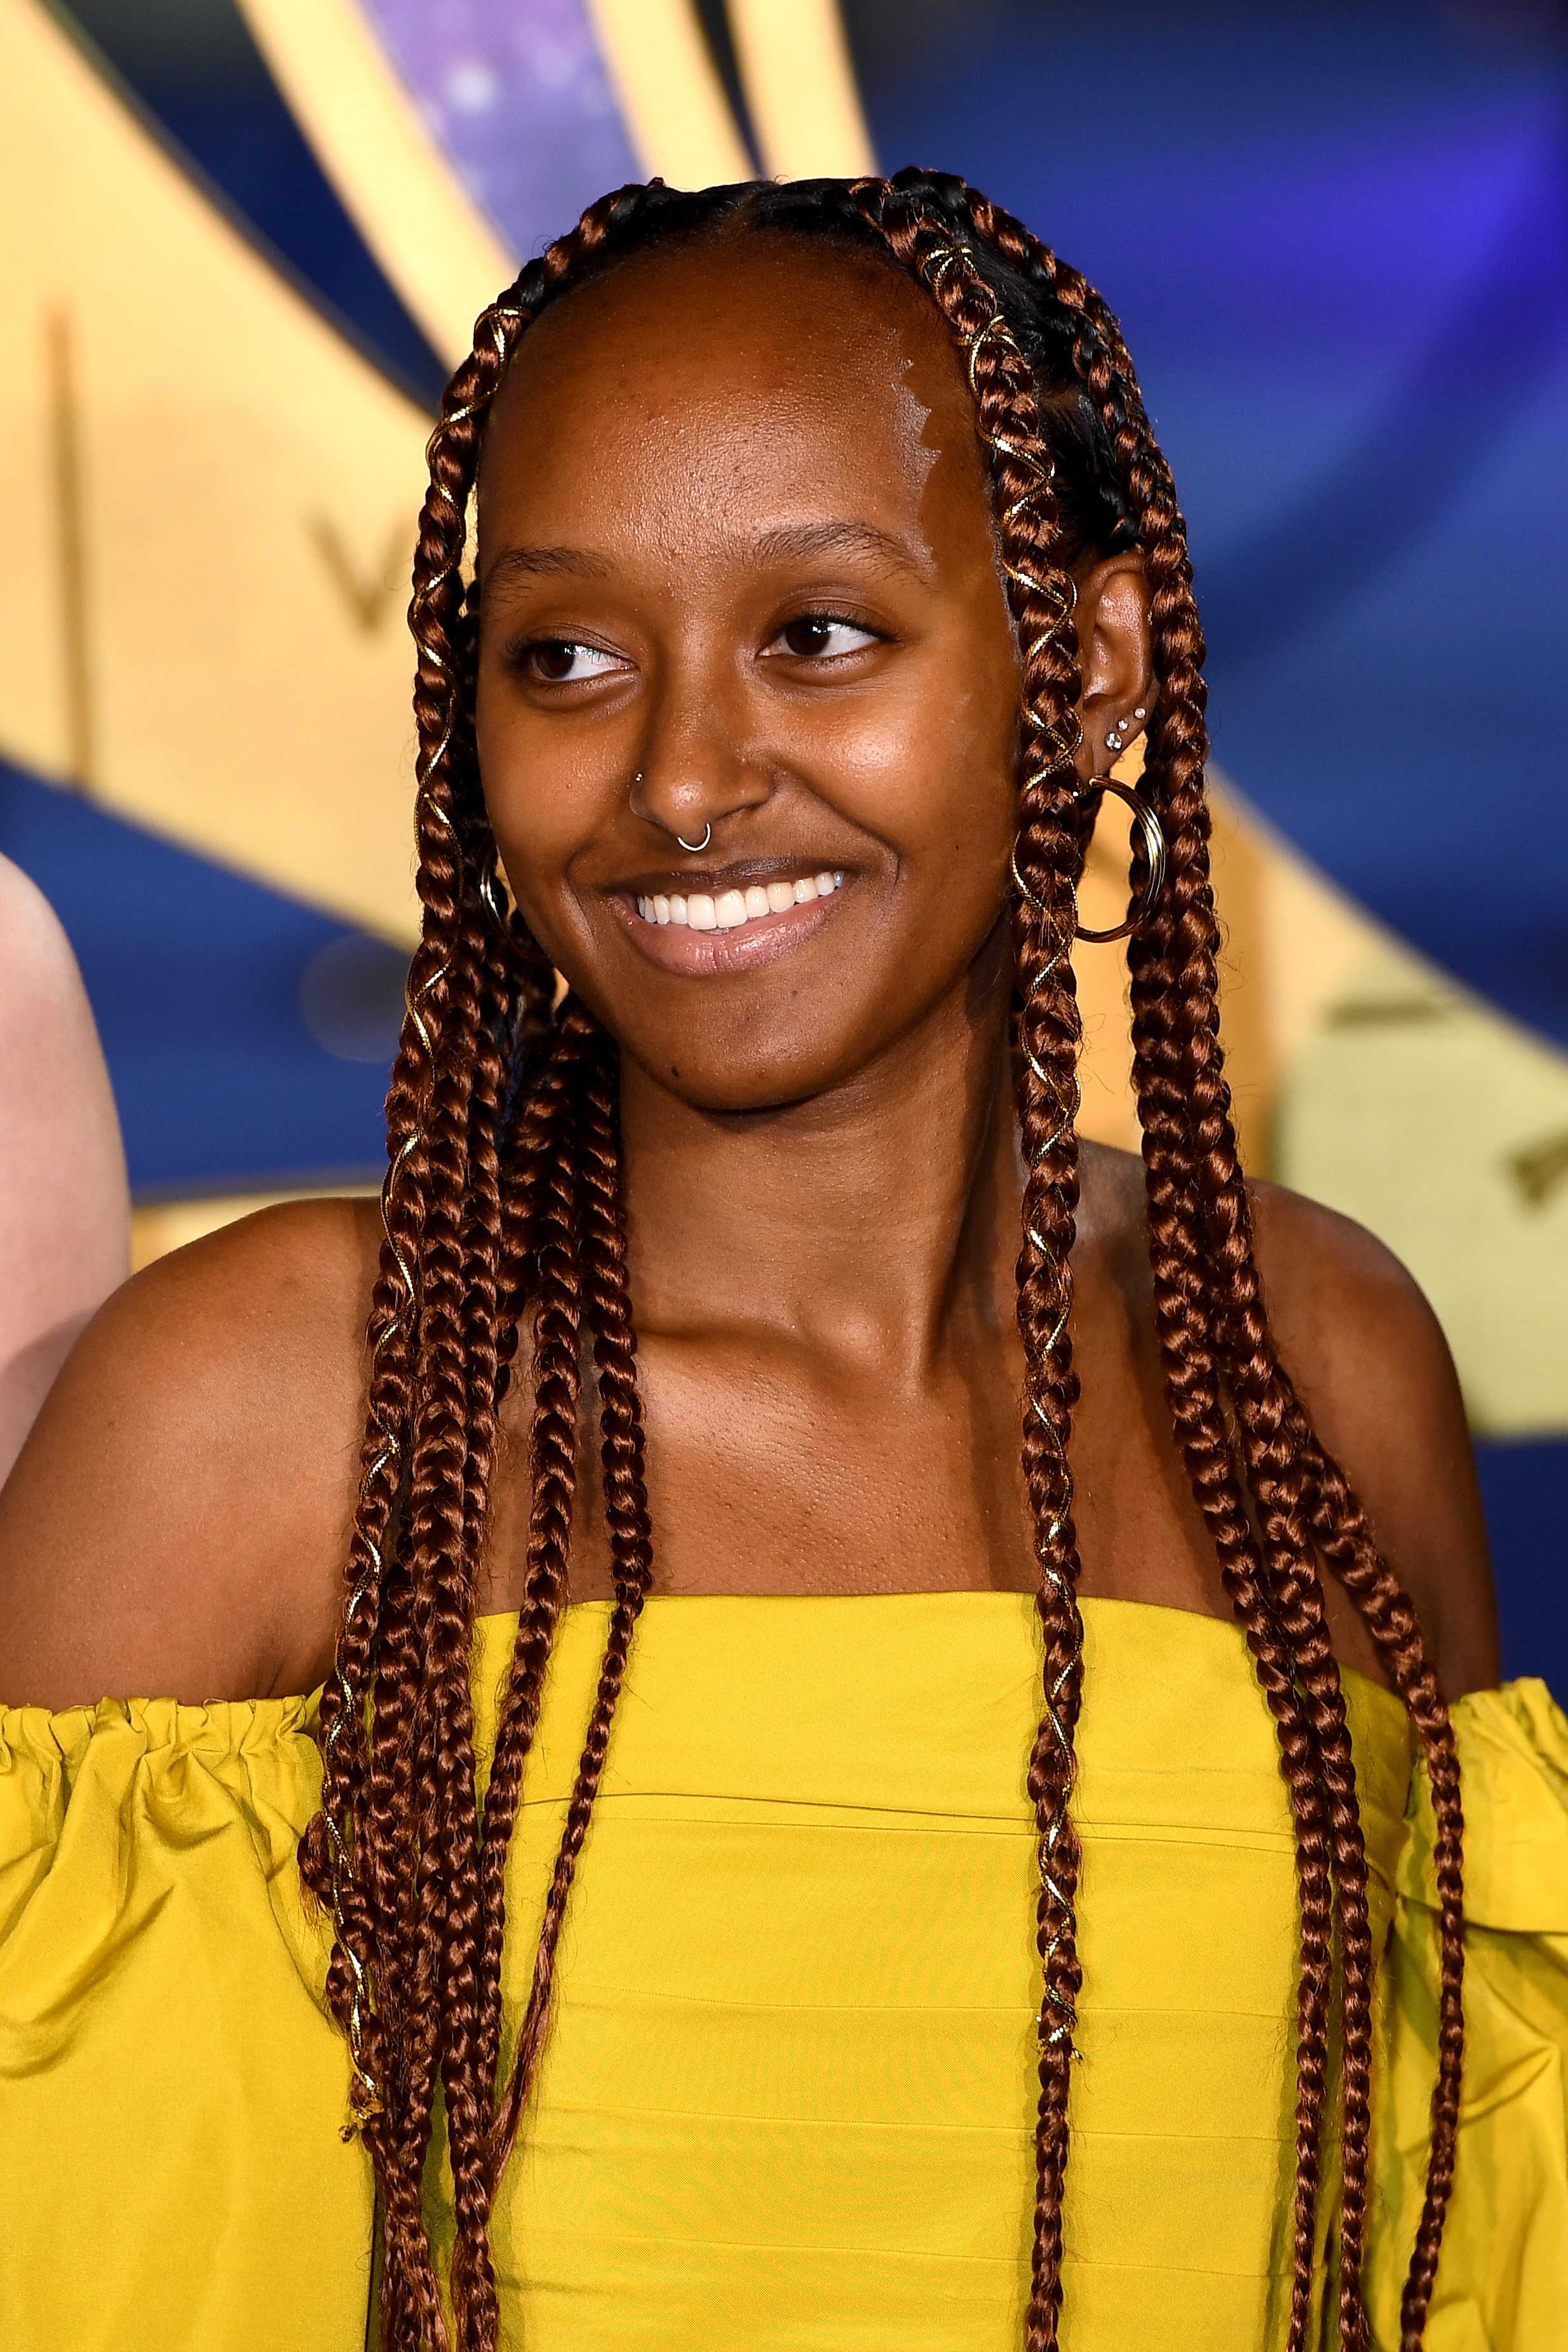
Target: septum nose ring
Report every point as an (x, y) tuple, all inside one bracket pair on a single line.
[(692, 848)]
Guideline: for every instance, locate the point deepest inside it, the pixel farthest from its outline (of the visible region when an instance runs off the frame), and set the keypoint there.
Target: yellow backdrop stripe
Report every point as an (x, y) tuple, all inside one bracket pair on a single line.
[(671, 99), (445, 257), (211, 608), (800, 88)]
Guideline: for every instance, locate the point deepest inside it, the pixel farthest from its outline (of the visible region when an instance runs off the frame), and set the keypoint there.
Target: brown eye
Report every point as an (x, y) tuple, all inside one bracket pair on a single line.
[(816, 634), (560, 661)]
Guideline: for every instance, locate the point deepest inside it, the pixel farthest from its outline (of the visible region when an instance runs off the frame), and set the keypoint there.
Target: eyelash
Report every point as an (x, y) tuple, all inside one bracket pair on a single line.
[(523, 658), (829, 621)]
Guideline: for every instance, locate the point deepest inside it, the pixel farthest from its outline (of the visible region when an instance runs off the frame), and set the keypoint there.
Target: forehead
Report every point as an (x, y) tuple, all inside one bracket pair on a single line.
[(736, 370)]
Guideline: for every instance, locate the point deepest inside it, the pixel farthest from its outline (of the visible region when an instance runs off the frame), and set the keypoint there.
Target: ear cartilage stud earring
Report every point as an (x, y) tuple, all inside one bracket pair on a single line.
[(1140, 714)]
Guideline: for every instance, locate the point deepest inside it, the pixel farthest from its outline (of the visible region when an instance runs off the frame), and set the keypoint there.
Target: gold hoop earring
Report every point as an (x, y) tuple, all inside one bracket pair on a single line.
[(1143, 816)]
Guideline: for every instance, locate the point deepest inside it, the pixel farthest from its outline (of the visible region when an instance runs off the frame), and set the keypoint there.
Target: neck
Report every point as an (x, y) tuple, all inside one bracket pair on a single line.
[(867, 1220)]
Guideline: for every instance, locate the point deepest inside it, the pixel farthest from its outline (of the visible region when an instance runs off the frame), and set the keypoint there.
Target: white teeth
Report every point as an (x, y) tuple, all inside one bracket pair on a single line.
[(732, 908)]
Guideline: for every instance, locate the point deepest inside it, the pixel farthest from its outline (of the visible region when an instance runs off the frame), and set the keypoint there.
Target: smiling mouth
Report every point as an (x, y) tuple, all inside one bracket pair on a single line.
[(730, 910)]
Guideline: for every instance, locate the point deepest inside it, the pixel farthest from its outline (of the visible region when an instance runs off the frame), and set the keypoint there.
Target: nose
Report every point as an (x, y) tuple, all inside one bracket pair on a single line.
[(696, 771)]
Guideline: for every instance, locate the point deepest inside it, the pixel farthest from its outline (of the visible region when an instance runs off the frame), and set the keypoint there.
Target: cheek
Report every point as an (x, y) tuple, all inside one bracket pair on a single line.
[(935, 774), (542, 789)]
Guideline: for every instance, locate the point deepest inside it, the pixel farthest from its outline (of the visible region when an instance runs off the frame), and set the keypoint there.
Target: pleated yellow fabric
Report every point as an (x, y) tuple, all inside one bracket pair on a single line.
[(786, 2101), (170, 2087)]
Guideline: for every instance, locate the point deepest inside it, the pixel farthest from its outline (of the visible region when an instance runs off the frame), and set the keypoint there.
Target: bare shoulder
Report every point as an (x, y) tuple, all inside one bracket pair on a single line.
[(175, 1524), (1372, 1365)]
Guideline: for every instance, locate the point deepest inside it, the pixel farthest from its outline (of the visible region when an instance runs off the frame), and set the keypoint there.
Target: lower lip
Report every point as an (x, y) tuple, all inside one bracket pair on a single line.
[(706, 955)]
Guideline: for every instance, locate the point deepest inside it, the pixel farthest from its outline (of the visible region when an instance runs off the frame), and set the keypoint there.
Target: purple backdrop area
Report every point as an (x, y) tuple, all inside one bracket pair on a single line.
[(1337, 237), (516, 92)]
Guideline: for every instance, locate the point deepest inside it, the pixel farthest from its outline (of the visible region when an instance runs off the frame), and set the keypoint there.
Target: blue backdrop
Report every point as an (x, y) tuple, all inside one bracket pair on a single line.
[(1337, 237)]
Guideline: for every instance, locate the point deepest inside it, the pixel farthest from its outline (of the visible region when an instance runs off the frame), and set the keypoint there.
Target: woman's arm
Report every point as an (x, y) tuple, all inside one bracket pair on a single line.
[(177, 1524), (62, 1171)]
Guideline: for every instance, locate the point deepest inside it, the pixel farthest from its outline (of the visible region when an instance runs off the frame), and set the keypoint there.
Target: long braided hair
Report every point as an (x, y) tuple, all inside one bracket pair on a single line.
[(503, 1197)]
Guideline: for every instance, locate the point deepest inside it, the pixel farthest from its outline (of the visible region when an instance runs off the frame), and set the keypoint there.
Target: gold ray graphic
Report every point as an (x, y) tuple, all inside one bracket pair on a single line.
[(445, 257), (799, 82), (218, 495), (671, 99), (1367, 1079)]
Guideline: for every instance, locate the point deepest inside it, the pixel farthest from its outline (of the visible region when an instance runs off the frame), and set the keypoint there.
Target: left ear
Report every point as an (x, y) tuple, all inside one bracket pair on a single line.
[(1113, 617)]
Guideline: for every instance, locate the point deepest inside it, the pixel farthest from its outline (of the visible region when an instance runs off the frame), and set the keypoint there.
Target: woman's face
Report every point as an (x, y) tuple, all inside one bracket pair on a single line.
[(739, 580)]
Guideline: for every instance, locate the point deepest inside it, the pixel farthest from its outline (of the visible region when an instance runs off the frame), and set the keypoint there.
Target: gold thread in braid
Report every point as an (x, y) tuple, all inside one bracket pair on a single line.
[(1053, 742), (386, 1461), (1063, 741)]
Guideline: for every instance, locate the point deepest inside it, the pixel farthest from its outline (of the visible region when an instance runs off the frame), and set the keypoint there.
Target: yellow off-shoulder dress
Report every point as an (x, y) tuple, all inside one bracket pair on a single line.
[(785, 2103)]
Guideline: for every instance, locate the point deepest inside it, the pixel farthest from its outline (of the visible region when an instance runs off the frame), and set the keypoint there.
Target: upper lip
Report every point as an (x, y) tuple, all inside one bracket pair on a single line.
[(736, 875)]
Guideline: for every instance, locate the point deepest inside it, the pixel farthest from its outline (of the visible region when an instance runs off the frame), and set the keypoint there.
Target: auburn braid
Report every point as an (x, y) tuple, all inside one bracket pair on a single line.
[(1276, 1477), (627, 1518), (1045, 863), (381, 1942), (1192, 1363), (446, 1508), (1296, 1476), (547, 1219), (1303, 1767), (1194, 1390), (403, 1873), (1297, 1605), (1179, 1284), (1280, 1453), (1177, 1067), (1284, 1453), (1341, 1528), (505, 1190), (1200, 1137), (432, 1914)]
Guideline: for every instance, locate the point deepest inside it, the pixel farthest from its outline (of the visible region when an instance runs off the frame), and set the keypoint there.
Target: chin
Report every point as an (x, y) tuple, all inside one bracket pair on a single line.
[(741, 1074), (724, 1088)]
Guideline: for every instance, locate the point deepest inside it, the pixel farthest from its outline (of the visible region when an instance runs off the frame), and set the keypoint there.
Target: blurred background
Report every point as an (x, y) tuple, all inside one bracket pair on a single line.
[(246, 240)]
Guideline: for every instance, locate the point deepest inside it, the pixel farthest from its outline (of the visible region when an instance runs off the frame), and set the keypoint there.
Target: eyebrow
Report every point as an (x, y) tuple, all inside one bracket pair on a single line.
[(802, 540), (789, 542), (548, 564)]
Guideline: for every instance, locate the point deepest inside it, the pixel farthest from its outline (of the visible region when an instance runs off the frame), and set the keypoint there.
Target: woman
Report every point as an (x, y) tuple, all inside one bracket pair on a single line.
[(785, 1961), (62, 1167)]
